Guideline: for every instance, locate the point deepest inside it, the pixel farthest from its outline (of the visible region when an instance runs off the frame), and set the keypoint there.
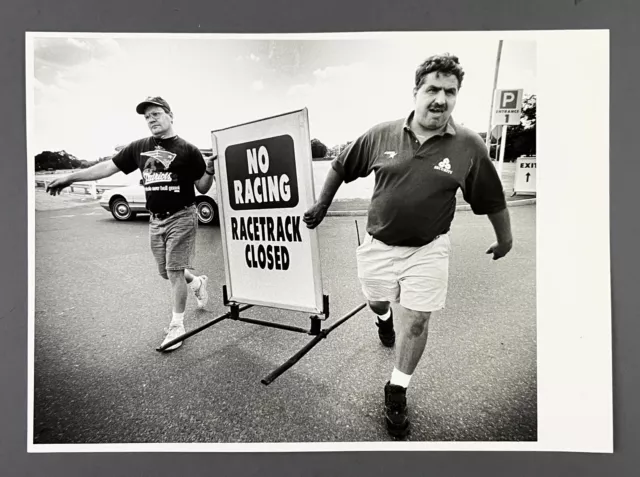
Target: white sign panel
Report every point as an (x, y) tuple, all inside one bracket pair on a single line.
[(265, 184), (525, 178), (508, 107)]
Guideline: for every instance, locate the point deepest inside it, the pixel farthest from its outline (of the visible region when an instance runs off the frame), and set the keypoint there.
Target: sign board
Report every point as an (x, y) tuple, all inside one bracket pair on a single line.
[(496, 132), (507, 107), (525, 177), (265, 184)]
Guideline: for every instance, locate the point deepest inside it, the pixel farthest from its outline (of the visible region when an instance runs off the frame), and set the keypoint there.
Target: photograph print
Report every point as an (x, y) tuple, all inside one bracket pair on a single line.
[(359, 271)]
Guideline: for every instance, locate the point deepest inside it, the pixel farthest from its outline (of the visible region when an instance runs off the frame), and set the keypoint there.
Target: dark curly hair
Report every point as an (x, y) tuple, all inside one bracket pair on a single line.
[(446, 64)]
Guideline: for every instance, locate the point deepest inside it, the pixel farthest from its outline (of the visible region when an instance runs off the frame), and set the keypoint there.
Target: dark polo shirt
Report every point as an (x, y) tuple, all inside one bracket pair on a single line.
[(414, 197)]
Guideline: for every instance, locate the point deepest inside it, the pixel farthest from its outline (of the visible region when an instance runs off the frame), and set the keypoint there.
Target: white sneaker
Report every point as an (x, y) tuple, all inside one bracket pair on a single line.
[(173, 333), (201, 293)]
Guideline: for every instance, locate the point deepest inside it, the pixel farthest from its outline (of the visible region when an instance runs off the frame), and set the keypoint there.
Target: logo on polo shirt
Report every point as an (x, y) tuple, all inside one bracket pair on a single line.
[(444, 165), (391, 154)]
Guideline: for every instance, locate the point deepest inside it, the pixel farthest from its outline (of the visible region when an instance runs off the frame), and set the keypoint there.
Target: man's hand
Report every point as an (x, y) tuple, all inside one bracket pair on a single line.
[(55, 187), (206, 181), (209, 163), (314, 215), (500, 249)]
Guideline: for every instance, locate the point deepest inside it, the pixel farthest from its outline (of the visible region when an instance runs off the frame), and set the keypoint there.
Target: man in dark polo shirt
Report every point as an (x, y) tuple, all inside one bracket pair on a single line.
[(419, 162), (170, 168)]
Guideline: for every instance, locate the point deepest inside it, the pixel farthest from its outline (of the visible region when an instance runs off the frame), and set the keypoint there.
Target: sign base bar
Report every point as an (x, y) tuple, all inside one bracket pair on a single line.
[(234, 314), (188, 334), (309, 346)]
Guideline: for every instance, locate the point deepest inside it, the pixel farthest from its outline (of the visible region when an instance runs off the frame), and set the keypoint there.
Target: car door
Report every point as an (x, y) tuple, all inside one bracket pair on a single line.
[(137, 197)]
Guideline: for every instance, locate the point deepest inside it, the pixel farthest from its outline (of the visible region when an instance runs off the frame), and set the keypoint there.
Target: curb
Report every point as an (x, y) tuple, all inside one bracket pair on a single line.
[(357, 213)]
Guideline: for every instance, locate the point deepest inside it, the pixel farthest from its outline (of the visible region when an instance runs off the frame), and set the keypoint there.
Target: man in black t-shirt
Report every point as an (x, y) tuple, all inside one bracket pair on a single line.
[(170, 168)]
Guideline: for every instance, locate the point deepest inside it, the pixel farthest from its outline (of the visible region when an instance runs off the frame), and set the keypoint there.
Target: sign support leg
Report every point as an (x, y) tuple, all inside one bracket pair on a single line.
[(503, 143), (309, 346), (316, 327)]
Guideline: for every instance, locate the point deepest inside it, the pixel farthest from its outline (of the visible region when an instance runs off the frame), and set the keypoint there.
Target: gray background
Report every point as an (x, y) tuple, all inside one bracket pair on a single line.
[(259, 16)]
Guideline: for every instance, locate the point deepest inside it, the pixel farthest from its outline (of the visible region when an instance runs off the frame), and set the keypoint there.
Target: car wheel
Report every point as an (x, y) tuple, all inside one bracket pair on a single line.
[(207, 211), (120, 209)]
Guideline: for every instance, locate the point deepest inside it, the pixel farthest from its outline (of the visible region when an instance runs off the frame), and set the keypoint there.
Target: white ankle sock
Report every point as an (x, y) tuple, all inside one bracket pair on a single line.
[(399, 378), (386, 316), (195, 283), (178, 319)]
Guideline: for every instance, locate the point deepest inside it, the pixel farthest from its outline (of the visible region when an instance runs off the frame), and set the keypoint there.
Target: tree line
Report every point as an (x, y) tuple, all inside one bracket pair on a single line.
[(53, 160), (521, 141)]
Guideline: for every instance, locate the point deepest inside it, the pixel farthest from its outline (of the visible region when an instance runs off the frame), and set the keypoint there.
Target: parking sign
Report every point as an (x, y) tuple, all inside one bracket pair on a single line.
[(508, 107)]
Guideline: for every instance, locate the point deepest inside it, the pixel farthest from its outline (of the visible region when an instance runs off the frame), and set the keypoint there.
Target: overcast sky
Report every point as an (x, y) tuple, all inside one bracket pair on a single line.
[(86, 89)]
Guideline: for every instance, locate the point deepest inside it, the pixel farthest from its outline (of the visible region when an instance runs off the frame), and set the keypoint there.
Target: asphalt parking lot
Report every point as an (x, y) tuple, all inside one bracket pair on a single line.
[(101, 308)]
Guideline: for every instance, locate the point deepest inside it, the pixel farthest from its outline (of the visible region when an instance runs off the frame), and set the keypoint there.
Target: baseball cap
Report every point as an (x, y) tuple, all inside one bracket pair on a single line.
[(152, 100)]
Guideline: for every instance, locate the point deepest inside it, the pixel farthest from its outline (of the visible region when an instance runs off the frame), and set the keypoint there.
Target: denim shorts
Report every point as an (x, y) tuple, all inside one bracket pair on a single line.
[(173, 240), (416, 277)]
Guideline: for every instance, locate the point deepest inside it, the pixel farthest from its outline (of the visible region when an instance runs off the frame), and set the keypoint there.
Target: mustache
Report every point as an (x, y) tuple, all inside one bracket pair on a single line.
[(437, 108)]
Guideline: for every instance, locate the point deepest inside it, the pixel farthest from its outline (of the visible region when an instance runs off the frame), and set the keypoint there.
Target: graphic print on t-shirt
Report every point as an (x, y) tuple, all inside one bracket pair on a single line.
[(155, 174)]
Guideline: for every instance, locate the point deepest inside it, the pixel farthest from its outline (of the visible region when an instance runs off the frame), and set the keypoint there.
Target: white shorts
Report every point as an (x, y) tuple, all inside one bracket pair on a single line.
[(416, 277)]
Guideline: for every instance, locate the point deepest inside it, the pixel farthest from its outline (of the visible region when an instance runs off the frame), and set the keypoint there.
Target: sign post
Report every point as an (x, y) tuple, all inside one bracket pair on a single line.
[(508, 108), (495, 83), (265, 185)]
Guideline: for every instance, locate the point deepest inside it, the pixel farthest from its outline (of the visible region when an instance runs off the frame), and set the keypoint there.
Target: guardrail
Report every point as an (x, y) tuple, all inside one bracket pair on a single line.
[(89, 188)]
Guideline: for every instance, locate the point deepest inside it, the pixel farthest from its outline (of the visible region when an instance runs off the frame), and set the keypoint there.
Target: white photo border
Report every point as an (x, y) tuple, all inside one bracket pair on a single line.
[(574, 369)]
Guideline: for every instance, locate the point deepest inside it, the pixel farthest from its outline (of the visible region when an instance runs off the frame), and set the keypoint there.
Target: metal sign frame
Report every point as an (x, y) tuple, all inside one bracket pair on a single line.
[(237, 305)]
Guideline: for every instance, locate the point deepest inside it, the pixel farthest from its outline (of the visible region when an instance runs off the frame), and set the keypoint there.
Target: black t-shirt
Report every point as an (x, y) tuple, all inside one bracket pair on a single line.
[(169, 169)]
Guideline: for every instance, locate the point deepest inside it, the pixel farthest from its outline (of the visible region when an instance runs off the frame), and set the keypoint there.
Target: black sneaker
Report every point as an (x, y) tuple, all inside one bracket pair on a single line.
[(395, 409), (385, 331)]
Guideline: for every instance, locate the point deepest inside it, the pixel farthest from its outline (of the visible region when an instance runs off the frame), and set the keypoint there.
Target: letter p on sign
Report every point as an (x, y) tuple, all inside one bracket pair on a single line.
[(509, 99)]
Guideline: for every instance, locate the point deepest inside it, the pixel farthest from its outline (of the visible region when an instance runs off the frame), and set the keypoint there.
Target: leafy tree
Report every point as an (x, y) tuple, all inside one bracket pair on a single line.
[(318, 149), (58, 160), (521, 139)]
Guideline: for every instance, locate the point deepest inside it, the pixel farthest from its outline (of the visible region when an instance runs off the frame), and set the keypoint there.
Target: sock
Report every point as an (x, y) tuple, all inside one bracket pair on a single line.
[(386, 316), (195, 283), (399, 378), (178, 319)]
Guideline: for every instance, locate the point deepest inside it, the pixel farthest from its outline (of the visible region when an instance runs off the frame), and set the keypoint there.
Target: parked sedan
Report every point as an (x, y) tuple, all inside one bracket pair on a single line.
[(125, 203)]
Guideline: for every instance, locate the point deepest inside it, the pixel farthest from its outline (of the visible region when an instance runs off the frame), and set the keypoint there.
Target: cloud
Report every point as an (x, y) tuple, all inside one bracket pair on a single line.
[(301, 90), (336, 93), (339, 72), (74, 51), (257, 85), (55, 57), (249, 57)]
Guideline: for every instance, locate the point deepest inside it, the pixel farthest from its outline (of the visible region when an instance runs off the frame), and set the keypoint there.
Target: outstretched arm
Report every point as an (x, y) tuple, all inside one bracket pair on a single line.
[(93, 173)]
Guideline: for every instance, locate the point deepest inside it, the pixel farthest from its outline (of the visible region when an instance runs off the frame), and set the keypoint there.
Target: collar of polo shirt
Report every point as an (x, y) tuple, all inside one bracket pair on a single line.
[(450, 129)]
